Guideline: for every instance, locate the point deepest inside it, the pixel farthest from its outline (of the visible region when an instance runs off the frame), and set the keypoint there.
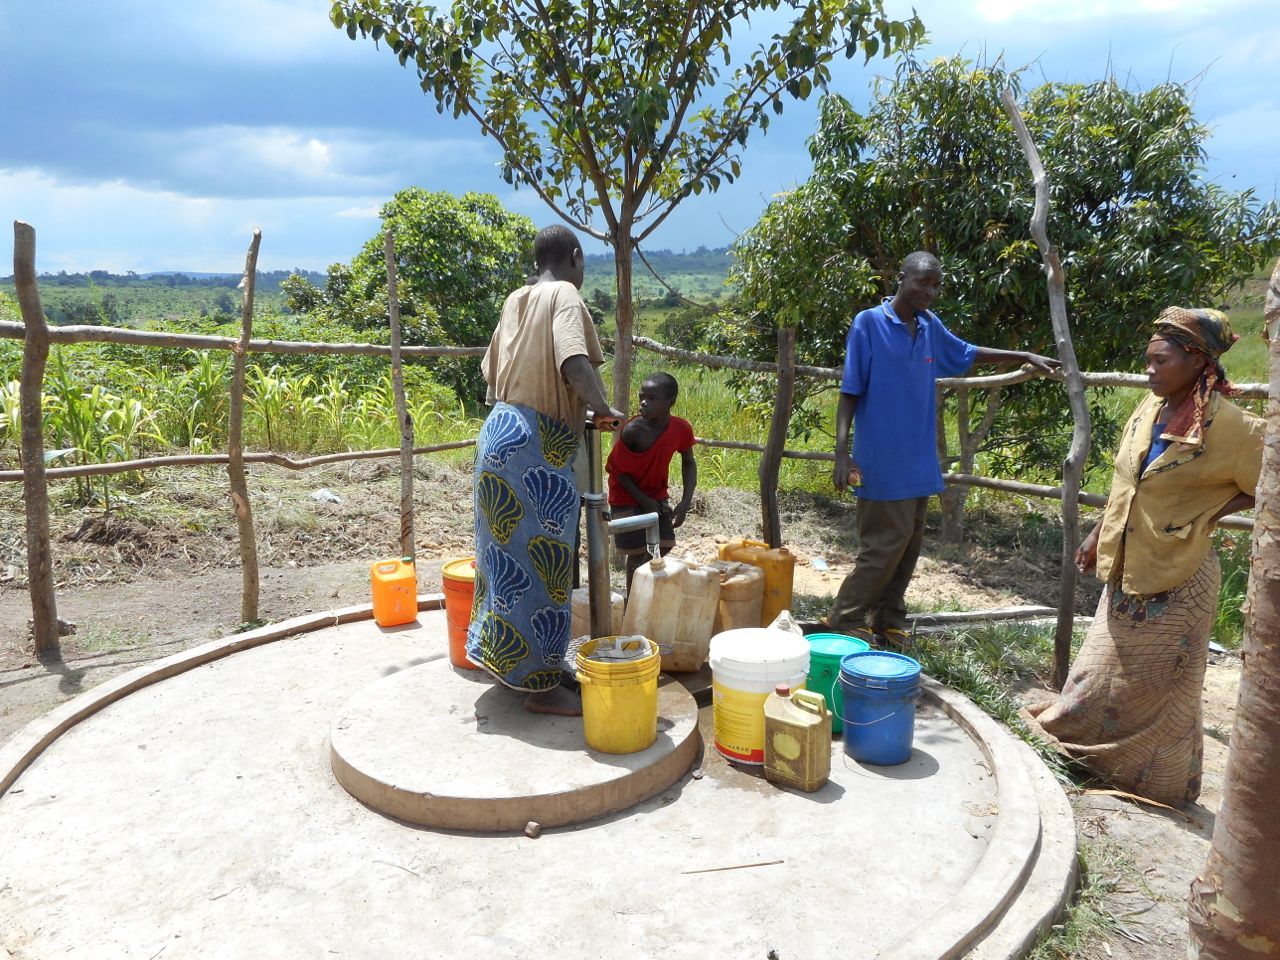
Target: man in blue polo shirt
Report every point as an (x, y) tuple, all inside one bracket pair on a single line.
[(893, 355)]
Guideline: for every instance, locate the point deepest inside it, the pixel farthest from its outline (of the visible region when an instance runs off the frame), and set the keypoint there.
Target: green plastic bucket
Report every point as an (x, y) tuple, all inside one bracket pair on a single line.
[(826, 650)]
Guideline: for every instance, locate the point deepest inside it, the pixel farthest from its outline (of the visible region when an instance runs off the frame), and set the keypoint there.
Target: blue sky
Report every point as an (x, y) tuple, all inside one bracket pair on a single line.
[(149, 135)]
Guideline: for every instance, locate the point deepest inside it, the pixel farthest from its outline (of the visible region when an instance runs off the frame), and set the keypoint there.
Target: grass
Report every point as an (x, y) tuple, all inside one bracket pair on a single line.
[(986, 663), (110, 639), (1105, 870)]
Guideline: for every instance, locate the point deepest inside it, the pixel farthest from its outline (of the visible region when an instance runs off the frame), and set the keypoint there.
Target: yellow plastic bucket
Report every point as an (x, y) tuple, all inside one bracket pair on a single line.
[(619, 700)]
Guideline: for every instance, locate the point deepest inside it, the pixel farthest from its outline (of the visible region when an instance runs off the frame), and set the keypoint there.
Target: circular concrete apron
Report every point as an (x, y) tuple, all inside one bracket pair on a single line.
[(199, 817)]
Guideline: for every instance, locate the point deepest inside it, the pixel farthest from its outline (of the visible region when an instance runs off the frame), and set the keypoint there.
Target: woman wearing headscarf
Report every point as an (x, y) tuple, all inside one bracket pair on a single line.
[(1130, 709)]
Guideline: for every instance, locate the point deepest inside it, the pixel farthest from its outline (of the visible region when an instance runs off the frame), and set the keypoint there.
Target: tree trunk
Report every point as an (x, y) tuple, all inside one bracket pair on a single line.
[(771, 459), (402, 406), (1234, 908), (1073, 465), (235, 446), (623, 348), (35, 490)]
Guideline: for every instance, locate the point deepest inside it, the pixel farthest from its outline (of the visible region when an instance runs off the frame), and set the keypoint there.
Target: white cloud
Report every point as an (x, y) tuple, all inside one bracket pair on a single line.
[(115, 226), (370, 212), (277, 161)]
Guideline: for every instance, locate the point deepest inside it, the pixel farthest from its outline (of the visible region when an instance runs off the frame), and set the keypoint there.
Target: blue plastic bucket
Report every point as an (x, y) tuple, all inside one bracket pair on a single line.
[(826, 650), (879, 691)]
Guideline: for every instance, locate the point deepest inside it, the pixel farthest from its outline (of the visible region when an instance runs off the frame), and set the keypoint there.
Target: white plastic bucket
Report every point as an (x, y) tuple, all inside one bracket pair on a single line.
[(746, 665)]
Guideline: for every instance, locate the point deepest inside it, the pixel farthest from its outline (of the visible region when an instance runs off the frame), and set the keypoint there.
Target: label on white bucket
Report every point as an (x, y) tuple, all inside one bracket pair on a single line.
[(738, 717)]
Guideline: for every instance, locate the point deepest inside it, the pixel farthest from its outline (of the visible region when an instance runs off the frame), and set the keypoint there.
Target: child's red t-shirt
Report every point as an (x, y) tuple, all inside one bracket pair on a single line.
[(648, 469)]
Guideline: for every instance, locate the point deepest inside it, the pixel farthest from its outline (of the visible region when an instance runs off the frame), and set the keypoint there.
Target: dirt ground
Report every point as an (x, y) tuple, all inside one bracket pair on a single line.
[(161, 573)]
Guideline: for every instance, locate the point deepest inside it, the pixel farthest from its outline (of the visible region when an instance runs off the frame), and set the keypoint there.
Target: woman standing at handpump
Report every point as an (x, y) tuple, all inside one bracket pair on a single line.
[(541, 371), (1130, 709)]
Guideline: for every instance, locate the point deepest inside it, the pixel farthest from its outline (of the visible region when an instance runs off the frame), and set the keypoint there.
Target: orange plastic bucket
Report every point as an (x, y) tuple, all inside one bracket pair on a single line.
[(459, 578)]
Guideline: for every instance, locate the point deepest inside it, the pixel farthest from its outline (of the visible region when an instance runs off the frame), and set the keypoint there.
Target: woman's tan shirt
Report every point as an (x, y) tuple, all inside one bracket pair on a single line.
[(542, 326), (1157, 522)]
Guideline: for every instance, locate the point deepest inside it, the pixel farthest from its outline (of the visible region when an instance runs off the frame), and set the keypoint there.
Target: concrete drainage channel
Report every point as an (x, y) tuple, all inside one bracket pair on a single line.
[(202, 816)]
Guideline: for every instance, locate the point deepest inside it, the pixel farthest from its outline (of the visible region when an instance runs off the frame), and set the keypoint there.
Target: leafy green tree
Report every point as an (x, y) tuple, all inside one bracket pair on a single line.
[(457, 258), (613, 112), (934, 165)]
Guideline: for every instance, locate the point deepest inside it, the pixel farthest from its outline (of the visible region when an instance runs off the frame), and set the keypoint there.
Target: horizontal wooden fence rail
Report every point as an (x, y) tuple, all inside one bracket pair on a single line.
[(1041, 491), (192, 341), (1254, 391), (217, 459)]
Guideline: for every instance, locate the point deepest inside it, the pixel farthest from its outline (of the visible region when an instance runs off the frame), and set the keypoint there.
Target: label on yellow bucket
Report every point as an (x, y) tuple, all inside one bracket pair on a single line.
[(739, 722)]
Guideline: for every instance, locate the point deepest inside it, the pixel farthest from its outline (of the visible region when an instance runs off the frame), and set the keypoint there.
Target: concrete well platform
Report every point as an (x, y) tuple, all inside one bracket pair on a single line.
[(477, 760), (200, 817)]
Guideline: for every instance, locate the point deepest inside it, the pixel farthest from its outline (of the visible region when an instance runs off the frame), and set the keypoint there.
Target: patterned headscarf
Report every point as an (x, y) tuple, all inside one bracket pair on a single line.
[(1208, 333)]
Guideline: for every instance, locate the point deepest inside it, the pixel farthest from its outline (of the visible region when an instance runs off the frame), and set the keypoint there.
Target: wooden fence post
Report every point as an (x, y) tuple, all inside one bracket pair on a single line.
[(1073, 466), (771, 459), (235, 444), (35, 491), (402, 407)]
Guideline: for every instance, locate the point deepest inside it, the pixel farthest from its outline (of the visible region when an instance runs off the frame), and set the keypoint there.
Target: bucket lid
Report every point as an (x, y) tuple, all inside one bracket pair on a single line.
[(461, 569), (838, 645), (758, 645), (881, 667)]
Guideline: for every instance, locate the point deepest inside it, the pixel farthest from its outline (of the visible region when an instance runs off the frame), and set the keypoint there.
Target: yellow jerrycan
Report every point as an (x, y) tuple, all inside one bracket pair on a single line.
[(741, 595), (779, 566), (797, 738)]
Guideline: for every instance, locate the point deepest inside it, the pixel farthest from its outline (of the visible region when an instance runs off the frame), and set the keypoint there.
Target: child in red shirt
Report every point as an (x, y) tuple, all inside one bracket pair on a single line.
[(638, 465)]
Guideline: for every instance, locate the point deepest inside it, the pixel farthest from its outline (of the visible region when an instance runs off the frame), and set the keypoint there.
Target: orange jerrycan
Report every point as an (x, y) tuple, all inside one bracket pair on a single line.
[(779, 566), (395, 591)]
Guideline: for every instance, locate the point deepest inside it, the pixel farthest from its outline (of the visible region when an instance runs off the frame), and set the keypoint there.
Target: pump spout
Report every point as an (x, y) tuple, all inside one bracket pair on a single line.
[(643, 521)]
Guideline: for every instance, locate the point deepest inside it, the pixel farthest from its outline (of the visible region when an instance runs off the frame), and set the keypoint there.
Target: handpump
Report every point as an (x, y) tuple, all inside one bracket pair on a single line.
[(599, 526)]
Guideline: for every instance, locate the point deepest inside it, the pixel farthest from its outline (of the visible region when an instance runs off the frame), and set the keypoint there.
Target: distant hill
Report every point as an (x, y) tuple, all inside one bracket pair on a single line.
[(699, 274), (267, 281), (133, 299)]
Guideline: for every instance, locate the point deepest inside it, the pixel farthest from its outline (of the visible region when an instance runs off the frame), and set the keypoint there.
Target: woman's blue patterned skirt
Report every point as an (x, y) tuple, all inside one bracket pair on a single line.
[(526, 508)]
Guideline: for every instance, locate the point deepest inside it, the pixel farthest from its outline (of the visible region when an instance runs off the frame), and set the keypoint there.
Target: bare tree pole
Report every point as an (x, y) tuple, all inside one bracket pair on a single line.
[(402, 407), (1234, 907), (235, 444), (1073, 466), (35, 490), (771, 459)]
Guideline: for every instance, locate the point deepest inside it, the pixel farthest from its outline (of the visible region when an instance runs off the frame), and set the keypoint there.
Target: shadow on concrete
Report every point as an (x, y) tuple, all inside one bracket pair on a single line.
[(921, 766), (415, 662), (501, 712)]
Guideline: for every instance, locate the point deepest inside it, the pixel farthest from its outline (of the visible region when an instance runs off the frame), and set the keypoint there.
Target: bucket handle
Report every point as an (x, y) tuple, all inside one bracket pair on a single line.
[(913, 698)]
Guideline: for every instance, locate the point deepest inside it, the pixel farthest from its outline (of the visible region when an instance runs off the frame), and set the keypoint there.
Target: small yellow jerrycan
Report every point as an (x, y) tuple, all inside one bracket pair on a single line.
[(779, 566), (797, 739)]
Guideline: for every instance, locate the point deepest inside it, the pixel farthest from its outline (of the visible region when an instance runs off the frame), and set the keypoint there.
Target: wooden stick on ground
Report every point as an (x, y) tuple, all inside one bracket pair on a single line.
[(1073, 466), (235, 445), (402, 407), (35, 491)]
